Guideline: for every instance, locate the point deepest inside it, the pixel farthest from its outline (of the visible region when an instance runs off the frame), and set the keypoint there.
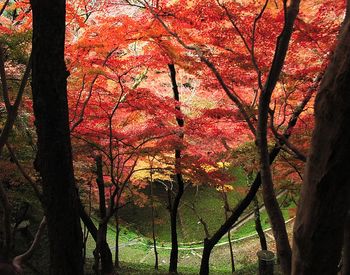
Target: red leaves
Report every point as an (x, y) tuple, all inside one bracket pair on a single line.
[(120, 86)]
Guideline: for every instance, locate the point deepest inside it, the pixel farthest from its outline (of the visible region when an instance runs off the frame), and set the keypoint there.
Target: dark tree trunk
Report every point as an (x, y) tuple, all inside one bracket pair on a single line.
[(87, 221), (238, 210), (173, 207), (324, 202), (86, 231), (258, 226), (156, 262), (117, 231), (102, 247), (174, 254), (54, 160), (232, 258), (227, 211), (104, 251), (345, 269), (271, 204), (208, 247)]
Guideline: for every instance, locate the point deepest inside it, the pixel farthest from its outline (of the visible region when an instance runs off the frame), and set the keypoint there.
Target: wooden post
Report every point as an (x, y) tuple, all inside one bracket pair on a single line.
[(266, 262)]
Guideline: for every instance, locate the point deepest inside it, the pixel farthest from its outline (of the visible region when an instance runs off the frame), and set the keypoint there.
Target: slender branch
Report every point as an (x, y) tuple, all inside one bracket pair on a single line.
[(294, 167), (86, 101), (23, 84), (251, 48), (259, 16), (272, 207), (13, 110), (4, 7), (200, 219), (79, 97), (211, 66), (18, 260), (286, 142), (228, 92)]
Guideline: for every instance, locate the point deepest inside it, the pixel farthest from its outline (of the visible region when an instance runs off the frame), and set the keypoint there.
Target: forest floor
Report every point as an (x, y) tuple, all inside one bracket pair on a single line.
[(136, 251), (137, 258)]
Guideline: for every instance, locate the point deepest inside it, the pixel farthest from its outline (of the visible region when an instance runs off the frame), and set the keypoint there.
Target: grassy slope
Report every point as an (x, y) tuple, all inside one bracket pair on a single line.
[(136, 255), (136, 251), (208, 204)]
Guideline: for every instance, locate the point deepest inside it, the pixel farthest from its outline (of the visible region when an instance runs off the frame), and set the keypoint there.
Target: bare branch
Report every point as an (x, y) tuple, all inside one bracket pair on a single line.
[(4, 7), (13, 110), (18, 260), (292, 147), (200, 219)]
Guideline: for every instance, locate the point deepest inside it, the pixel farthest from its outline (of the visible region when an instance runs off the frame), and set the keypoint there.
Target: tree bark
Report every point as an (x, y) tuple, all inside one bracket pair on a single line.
[(324, 202), (54, 159), (258, 226), (174, 254), (227, 211), (101, 242), (156, 260), (117, 231), (272, 208), (345, 270)]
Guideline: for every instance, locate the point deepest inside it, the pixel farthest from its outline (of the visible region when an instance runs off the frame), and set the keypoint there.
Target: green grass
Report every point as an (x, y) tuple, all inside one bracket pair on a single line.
[(136, 253), (208, 204), (249, 227)]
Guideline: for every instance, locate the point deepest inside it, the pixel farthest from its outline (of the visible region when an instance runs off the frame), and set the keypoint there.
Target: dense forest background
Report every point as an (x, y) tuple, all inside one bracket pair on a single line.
[(175, 136)]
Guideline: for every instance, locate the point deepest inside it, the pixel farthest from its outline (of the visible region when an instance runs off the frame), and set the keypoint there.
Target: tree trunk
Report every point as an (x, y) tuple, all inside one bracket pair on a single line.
[(103, 250), (238, 210), (345, 270), (258, 226), (101, 243), (324, 202), (117, 231), (208, 247), (174, 254), (54, 159), (227, 211), (156, 262), (272, 208), (232, 258)]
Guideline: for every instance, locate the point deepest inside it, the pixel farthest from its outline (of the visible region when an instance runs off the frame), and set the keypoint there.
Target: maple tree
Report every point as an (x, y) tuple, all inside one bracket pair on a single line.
[(120, 130), (190, 26), (246, 72)]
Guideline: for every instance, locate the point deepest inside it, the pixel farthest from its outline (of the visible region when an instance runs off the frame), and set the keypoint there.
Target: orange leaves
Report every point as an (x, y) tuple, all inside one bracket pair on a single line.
[(120, 87)]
